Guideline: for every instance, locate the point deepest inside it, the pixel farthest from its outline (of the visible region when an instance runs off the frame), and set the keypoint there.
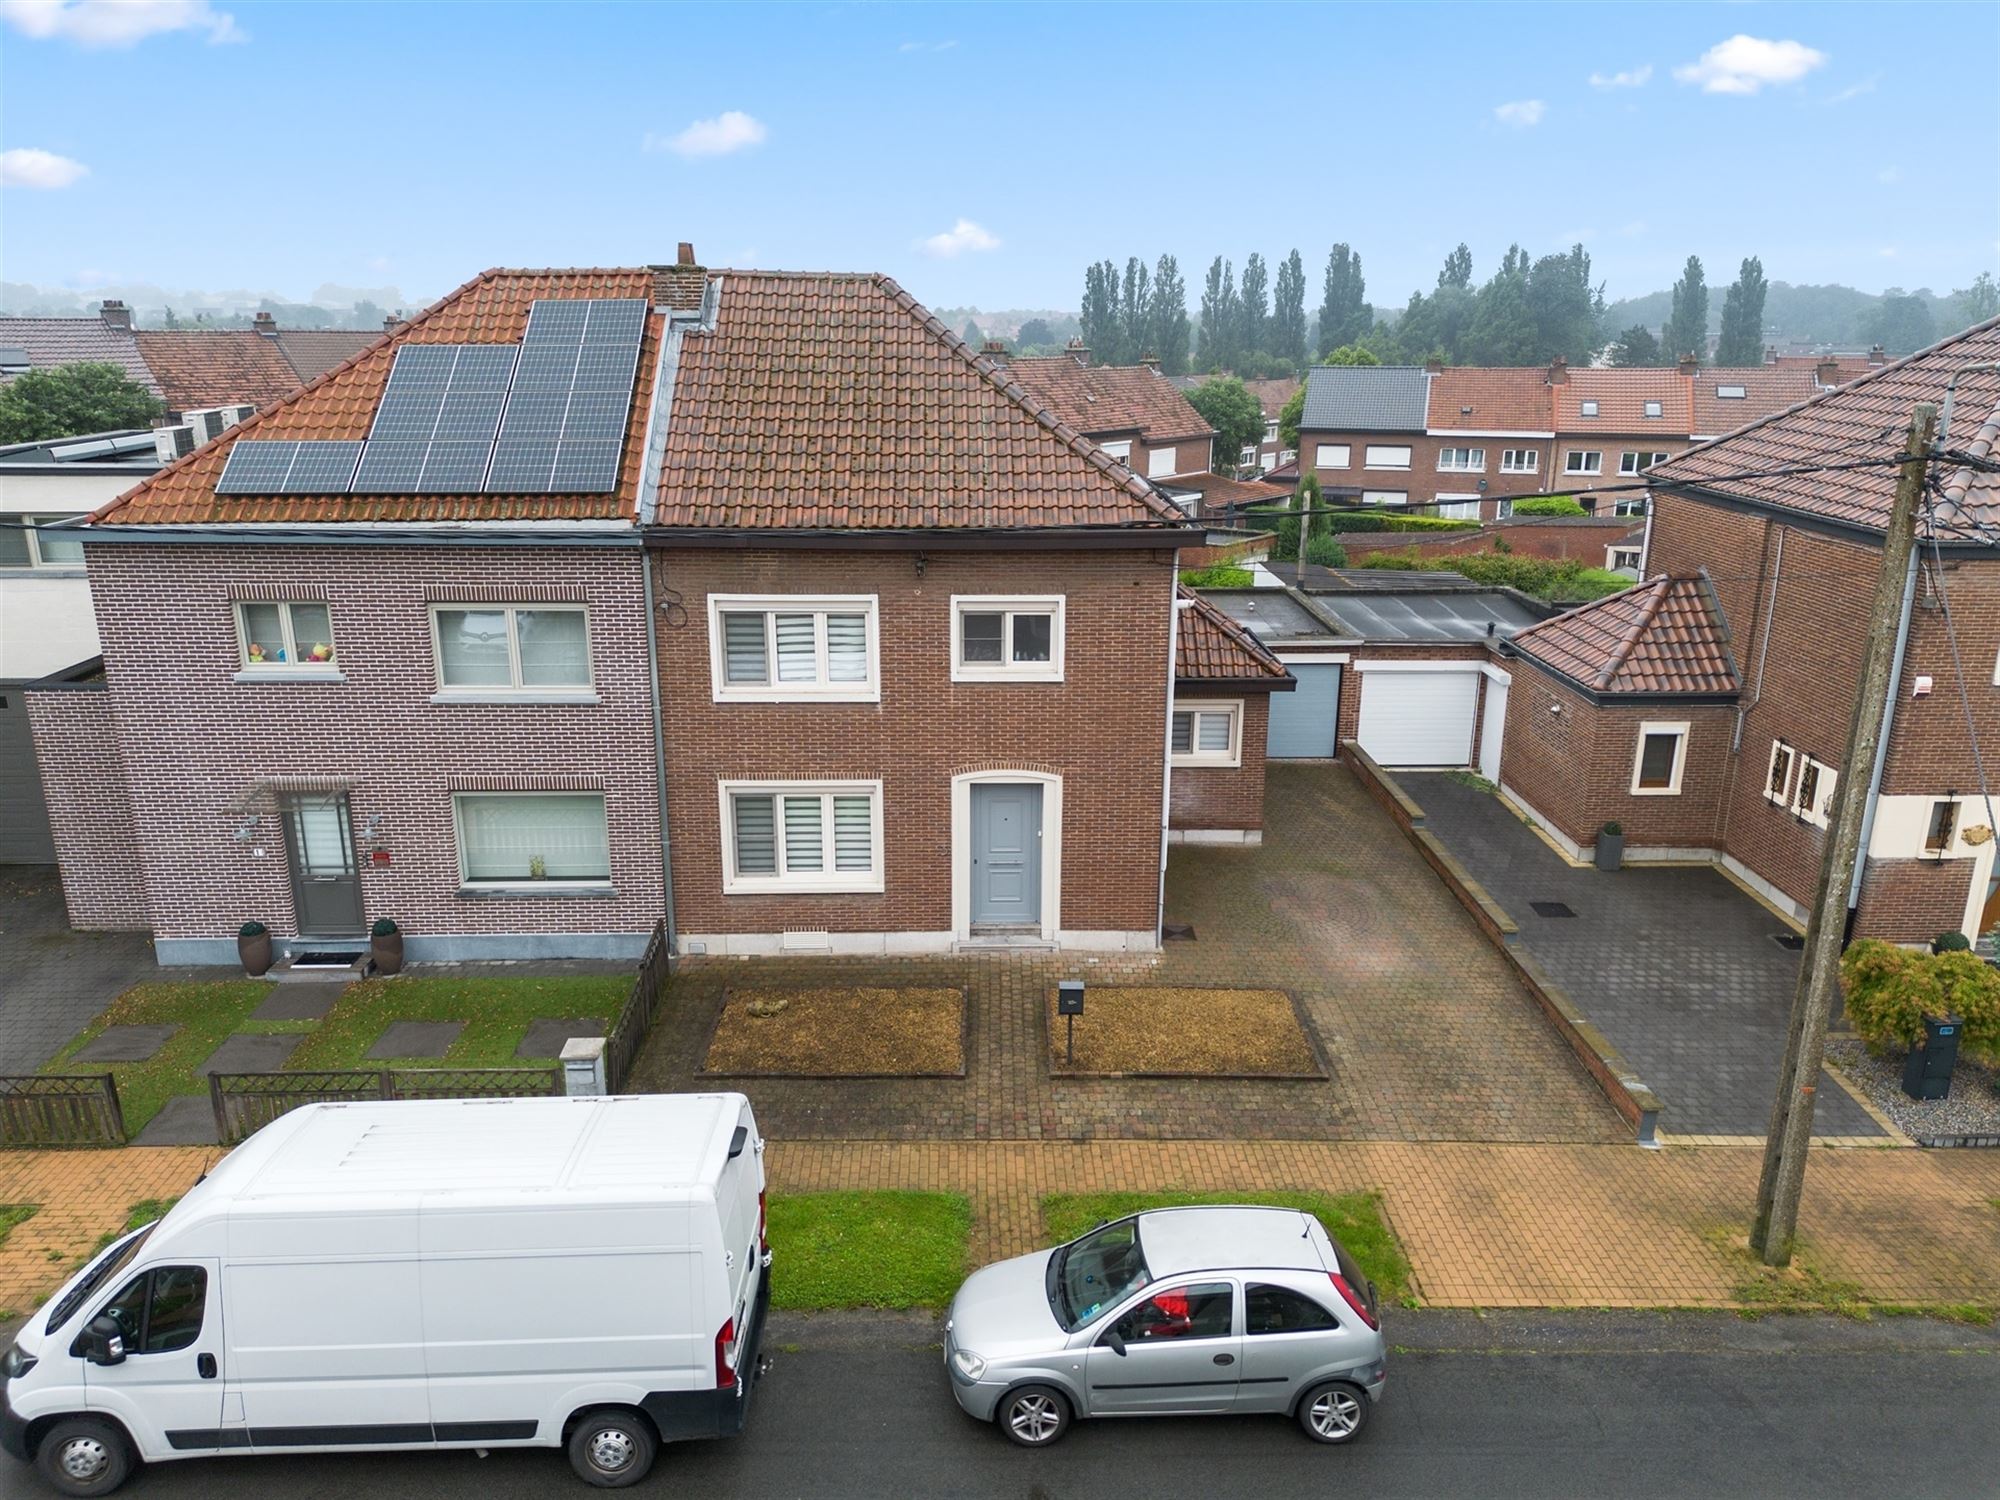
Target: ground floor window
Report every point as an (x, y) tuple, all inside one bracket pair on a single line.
[(794, 836), (1778, 779), (1208, 734), (1661, 757), (507, 838)]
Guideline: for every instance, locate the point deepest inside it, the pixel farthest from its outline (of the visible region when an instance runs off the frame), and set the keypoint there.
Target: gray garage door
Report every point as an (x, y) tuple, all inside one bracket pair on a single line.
[(24, 822), (1302, 722)]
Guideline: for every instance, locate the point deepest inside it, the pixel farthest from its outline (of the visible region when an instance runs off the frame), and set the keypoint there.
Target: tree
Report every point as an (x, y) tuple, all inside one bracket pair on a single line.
[(71, 400), (1502, 330), (1565, 307), (1687, 326), (1255, 320), (1228, 406), (1289, 419), (1635, 347), (1978, 302), (1170, 319), (1036, 334), (1457, 269), (1288, 312), (1220, 314), (1135, 314), (1318, 518), (1350, 354), (1099, 316), (1742, 341), (973, 336), (1344, 313), (1901, 322)]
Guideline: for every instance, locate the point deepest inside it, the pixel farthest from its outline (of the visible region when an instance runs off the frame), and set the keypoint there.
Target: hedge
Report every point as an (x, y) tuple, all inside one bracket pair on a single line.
[(1564, 581), (1549, 505), (1218, 576), (1347, 520), (1324, 552)]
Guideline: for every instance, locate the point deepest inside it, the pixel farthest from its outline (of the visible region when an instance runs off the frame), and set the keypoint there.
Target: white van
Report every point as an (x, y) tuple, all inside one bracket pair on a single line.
[(468, 1273)]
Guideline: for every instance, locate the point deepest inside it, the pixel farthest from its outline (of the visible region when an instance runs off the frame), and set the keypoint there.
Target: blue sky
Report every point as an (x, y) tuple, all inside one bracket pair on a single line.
[(985, 154)]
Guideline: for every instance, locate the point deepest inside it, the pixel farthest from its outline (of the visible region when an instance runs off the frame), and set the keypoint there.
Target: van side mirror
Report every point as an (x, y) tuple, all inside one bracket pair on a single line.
[(102, 1341), (1115, 1342)]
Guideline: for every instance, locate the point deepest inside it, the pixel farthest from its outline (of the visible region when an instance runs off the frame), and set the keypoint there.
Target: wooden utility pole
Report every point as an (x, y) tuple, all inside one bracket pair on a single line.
[(1784, 1175)]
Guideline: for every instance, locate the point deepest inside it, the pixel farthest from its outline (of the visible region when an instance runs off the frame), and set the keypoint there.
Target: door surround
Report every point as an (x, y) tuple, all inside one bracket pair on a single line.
[(961, 845)]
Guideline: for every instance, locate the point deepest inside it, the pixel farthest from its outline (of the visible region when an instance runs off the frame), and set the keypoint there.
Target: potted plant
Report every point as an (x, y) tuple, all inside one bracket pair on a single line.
[(538, 868), (253, 947), (385, 946), (1611, 846)]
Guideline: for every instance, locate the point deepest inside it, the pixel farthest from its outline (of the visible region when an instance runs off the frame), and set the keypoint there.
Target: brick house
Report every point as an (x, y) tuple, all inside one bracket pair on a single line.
[(1708, 708), (1223, 681), (1133, 412), (1494, 433)]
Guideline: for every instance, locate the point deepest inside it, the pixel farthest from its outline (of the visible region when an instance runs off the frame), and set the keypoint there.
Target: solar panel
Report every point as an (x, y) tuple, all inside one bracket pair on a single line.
[(564, 426), (434, 430), (315, 468)]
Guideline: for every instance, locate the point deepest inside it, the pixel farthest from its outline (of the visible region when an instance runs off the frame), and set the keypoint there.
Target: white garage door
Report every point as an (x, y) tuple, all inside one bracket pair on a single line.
[(1419, 718)]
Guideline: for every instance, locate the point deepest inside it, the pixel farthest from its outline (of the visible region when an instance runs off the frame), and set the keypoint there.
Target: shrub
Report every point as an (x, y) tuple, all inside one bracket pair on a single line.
[(384, 927), (1218, 576), (252, 928), (1347, 520), (1949, 942), (1324, 552), (1565, 581), (1286, 548), (1614, 828), (1889, 990), (1549, 505)]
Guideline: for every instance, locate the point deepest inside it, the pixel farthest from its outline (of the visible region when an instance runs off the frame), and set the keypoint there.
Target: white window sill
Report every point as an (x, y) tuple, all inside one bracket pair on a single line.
[(1386, 468), (798, 695), (765, 886), (1212, 762), (59, 570), (1039, 673), (546, 889), (289, 674), (1656, 791), (515, 695)]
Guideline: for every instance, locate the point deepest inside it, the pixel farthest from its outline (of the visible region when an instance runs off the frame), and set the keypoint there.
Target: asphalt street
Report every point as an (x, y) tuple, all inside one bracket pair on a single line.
[(1604, 1405)]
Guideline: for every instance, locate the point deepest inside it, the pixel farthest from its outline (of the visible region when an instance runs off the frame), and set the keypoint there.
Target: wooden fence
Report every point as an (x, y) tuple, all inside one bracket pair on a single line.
[(64, 1109), (628, 1032), (245, 1103)]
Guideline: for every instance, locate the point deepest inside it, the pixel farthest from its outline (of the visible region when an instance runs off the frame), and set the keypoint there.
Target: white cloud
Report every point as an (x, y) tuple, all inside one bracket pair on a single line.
[(1744, 64), (732, 130), (1856, 90), (961, 237), (1520, 113), (1887, 252), (928, 46), (1631, 78), (26, 167), (118, 23), (1889, 175)]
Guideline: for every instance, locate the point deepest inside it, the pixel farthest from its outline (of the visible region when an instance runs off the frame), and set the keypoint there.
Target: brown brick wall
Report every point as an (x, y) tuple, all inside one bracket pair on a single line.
[(1224, 796), (90, 810), (1422, 479), (1102, 729), (1191, 457), (1585, 541), (1930, 752), (1599, 491), (1910, 900)]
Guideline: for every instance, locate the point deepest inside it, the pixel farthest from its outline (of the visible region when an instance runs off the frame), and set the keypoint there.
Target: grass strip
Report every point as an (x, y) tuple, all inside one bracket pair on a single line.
[(13, 1215), (886, 1249), (496, 1011), (206, 1011)]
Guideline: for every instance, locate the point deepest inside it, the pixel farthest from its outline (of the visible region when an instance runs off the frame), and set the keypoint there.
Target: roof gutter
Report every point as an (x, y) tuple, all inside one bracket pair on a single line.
[(615, 534), (1283, 684), (938, 539)]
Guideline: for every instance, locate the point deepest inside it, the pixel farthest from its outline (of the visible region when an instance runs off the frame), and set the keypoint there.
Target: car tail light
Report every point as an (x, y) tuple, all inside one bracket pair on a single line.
[(1348, 1295), (725, 1354), (763, 1224)]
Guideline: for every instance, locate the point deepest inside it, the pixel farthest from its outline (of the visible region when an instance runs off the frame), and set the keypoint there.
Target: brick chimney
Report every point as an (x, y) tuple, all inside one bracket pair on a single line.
[(1151, 361), (681, 286), (1434, 367), (265, 324), (1689, 364), (1770, 354), (1827, 372), (1079, 351), (1877, 357), (115, 313), (392, 321), (994, 349), (1559, 371)]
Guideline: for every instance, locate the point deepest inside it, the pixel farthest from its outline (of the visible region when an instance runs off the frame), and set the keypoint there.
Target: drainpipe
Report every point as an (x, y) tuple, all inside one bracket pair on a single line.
[(1167, 745), (647, 563), (1888, 726), (1763, 646)]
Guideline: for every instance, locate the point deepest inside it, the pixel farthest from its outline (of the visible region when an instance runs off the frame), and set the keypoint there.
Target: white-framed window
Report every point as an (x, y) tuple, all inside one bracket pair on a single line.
[(1633, 463), (1654, 409), (1333, 456), (531, 650), (1162, 463), (1385, 497), (1622, 559), (1461, 460), (1778, 775), (1943, 827), (1628, 505), (284, 636), (1731, 392), (1208, 734), (1520, 460), (1120, 450), (531, 839), (27, 548), (1386, 456), (1659, 759), (1006, 637), (801, 836), (1583, 461), (1588, 408), (781, 648), (1457, 507), (1247, 457), (1812, 794), (1271, 430)]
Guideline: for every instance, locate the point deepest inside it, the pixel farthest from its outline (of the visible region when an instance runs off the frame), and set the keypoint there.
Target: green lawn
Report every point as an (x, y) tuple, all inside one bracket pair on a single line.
[(1355, 1219), (206, 1013), (867, 1249), (496, 1012)]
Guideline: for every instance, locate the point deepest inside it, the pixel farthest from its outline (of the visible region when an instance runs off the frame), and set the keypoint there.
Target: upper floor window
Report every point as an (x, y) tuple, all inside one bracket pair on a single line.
[(1271, 430), (1520, 460), (1462, 460), (1162, 463), (484, 650), (1208, 734), (787, 647), (1633, 463), (1943, 828), (1385, 497), (1622, 559), (286, 637), (1812, 797), (1387, 456), (1583, 461), (1006, 638), (27, 548), (1333, 456), (1120, 450), (1778, 777)]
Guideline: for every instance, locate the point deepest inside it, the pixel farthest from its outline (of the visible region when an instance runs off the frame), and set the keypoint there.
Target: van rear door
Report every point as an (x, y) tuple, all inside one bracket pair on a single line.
[(739, 1203)]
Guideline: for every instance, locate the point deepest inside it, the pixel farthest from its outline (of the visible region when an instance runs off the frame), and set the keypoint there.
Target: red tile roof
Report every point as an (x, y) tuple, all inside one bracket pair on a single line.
[(314, 351), (1621, 397), (1501, 400), (836, 401), (1863, 421), (1662, 636), (216, 367), (1211, 647), (490, 309), (1106, 399), (50, 342), (1766, 389), (1219, 491)]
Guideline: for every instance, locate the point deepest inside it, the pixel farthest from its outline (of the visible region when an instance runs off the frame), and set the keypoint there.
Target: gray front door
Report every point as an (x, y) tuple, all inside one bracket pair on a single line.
[(319, 841), (1302, 722), (1007, 855)]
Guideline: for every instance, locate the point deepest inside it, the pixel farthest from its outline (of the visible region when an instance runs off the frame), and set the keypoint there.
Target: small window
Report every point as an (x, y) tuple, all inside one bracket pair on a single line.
[(1462, 460), (1208, 734), (1121, 450), (1634, 463), (1654, 409), (160, 1310), (289, 636), (1622, 559), (1778, 778), (1589, 408), (1656, 770), (1387, 456), (1520, 460), (1271, 430), (21, 546), (1277, 1309), (527, 838), (782, 836), (1583, 461), (1505, 510), (1385, 497), (1333, 456), (484, 649), (1007, 638), (1730, 393), (791, 648), (1812, 797), (1628, 505), (1162, 463), (1943, 828), (1457, 507), (1205, 1310)]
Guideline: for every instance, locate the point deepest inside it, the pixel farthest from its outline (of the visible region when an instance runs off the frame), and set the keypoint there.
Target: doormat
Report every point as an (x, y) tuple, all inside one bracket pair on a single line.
[(1551, 909), (1790, 940), (319, 960), (1178, 932)]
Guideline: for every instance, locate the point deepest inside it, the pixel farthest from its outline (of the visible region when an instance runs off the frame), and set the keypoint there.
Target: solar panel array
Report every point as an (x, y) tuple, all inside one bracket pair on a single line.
[(545, 416)]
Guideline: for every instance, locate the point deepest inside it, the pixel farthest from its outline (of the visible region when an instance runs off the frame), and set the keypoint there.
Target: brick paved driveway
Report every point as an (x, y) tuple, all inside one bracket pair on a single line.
[(1427, 1034), (1677, 966)]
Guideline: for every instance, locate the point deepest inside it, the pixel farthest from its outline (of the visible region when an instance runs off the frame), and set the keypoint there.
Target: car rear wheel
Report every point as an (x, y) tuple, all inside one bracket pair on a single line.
[(612, 1448), (84, 1456), (1334, 1413), (1034, 1415)]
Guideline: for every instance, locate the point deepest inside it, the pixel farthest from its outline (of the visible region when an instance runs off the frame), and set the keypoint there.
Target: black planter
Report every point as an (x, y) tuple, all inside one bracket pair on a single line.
[(254, 952), (1610, 852)]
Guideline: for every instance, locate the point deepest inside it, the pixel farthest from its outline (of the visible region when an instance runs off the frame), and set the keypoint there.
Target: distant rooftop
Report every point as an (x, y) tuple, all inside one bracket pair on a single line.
[(1432, 617)]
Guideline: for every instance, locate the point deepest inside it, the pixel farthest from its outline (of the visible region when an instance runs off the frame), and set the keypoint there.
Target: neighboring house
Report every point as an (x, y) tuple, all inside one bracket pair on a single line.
[(1133, 412), (1223, 681), (1362, 431), (44, 343), (210, 367), (898, 653), (1492, 433), (1267, 453), (1217, 497), (1708, 708), (1613, 425)]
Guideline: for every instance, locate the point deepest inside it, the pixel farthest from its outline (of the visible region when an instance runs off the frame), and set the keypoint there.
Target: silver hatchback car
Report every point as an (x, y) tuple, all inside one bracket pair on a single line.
[(1172, 1312)]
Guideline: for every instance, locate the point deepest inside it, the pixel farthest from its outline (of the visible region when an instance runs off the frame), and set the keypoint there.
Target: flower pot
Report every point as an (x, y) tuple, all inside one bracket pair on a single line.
[(1610, 850), (254, 952), (387, 952)]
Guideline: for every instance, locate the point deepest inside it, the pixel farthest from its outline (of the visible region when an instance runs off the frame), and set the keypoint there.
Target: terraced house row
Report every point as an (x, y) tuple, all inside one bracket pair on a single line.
[(751, 601)]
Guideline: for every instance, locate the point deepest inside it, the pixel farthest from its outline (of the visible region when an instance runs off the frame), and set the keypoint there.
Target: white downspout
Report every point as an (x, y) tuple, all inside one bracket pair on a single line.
[(1167, 746)]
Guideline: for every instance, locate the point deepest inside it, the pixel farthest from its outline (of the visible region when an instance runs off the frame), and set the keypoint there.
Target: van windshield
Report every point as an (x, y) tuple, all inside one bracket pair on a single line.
[(1091, 1274), (101, 1270)]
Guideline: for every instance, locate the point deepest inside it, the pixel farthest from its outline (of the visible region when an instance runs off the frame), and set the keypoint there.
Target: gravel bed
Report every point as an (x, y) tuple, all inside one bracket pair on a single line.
[(1972, 1109)]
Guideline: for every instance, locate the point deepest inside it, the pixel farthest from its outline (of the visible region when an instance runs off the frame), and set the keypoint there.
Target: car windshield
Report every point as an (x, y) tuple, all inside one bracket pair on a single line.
[(113, 1260), (1093, 1273)]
